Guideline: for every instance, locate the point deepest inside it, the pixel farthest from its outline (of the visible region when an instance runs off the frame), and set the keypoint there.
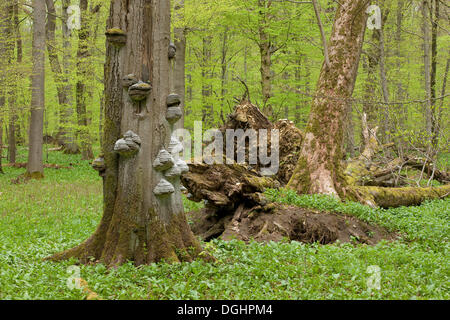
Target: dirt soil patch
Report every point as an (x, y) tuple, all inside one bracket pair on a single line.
[(279, 222)]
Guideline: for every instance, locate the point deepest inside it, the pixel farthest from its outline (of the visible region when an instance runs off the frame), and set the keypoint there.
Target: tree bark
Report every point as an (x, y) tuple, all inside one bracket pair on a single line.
[(207, 108), (370, 108), (265, 50), (180, 59), (7, 79), (67, 125), (386, 127), (65, 136), (401, 112), (319, 169), (83, 55), (427, 65), (433, 86), (138, 223), (35, 168), (224, 69)]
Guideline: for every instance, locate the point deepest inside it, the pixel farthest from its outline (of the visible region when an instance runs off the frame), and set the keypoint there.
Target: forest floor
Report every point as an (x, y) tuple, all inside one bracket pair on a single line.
[(43, 217)]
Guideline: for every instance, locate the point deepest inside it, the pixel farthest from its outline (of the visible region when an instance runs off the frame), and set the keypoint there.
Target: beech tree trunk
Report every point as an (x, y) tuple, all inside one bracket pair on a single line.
[(6, 54), (370, 84), (427, 65), (208, 107), (386, 127), (180, 59), (318, 169), (401, 112), (83, 72), (265, 50), (60, 74), (141, 222), (433, 75), (35, 168)]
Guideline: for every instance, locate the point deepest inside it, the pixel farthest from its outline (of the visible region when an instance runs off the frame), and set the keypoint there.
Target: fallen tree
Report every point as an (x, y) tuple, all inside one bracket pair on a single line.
[(237, 208), (226, 186)]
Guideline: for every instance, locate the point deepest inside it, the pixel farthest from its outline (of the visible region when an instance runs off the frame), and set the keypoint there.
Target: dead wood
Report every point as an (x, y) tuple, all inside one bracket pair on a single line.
[(226, 187)]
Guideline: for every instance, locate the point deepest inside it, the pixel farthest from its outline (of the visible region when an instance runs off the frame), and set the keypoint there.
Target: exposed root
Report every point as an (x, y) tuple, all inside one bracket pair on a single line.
[(279, 222)]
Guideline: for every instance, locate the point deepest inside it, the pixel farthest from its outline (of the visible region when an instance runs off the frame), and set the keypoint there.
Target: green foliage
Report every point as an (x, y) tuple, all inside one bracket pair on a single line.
[(41, 218)]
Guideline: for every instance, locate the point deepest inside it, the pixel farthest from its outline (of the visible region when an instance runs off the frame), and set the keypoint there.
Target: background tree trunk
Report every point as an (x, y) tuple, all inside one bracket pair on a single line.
[(65, 135), (7, 77), (35, 168), (386, 125), (318, 169), (208, 107), (427, 64), (137, 224), (66, 129), (180, 59), (265, 49), (83, 55), (433, 86)]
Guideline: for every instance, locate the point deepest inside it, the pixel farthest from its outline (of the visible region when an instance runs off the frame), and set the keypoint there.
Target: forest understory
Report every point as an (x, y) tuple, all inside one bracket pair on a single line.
[(336, 111), (39, 218)]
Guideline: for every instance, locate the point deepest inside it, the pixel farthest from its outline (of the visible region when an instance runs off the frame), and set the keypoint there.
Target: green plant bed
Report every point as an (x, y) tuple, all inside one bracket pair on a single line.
[(43, 217)]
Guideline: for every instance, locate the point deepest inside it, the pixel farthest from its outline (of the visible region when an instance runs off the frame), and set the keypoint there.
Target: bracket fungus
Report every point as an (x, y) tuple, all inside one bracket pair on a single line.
[(129, 80), (173, 114), (116, 36), (131, 136), (173, 99), (173, 172), (172, 50), (129, 145), (182, 165), (175, 146), (99, 164), (163, 188), (164, 161), (139, 91)]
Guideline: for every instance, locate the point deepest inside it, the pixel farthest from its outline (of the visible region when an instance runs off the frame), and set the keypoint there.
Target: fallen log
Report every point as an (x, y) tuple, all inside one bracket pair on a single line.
[(235, 206), (226, 187), (397, 197)]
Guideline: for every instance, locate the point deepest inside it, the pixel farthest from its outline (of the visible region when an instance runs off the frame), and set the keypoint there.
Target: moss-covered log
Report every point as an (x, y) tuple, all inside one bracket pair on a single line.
[(397, 197)]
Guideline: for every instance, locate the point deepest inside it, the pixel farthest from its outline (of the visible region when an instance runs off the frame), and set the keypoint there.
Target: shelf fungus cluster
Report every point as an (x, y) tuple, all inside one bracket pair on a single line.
[(163, 188), (129, 145), (116, 37), (174, 112), (172, 50), (139, 90), (129, 80), (171, 166), (99, 165)]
